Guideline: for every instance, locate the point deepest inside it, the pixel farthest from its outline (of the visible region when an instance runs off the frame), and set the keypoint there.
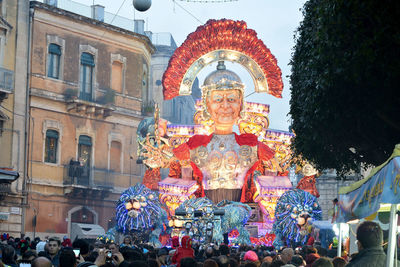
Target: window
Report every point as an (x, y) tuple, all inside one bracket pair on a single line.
[(116, 76), (85, 150), (115, 156), (53, 61), (86, 73), (51, 146)]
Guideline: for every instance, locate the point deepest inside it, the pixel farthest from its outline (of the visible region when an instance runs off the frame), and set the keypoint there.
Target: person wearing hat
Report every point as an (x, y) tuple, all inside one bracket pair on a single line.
[(184, 251), (251, 256)]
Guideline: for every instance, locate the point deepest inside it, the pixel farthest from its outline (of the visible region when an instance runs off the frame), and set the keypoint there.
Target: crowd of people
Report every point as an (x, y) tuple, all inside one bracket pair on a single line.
[(52, 252)]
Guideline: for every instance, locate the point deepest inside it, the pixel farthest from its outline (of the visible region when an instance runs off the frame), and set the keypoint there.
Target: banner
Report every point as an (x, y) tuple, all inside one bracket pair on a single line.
[(364, 197)]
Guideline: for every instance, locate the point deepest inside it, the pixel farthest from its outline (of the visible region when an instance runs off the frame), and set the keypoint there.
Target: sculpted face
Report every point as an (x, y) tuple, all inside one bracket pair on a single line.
[(224, 108)]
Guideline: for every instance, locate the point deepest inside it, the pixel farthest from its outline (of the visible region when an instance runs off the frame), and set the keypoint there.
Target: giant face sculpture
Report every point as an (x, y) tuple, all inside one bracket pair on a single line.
[(224, 106), (222, 94)]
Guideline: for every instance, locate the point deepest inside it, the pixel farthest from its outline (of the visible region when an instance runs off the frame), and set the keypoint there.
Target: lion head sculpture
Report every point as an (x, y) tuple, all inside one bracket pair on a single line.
[(138, 208), (294, 212)]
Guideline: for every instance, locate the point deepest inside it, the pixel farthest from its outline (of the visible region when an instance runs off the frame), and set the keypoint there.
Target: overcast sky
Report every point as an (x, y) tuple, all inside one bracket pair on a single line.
[(275, 22)]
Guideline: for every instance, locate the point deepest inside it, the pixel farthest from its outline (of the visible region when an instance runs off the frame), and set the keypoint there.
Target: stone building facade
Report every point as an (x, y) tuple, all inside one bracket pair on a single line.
[(14, 16), (86, 83)]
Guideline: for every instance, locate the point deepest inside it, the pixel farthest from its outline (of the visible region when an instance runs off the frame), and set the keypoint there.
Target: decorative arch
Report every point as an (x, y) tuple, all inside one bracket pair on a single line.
[(222, 40)]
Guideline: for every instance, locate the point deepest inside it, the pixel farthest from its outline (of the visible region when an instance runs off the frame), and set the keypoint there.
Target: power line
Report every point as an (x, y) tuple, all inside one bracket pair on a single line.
[(175, 3), (115, 15)]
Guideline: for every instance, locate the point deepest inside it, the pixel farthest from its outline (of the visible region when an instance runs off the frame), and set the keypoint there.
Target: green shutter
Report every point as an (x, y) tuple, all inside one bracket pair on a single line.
[(87, 59), (54, 49), (85, 140), (52, 134)]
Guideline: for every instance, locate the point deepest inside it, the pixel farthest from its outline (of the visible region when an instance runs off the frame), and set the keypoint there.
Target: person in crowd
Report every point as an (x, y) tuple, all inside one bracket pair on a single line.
[(251, 256), (277, 263), (233, 262), (310, 258), (339, 262), (210, 263), (54, 246), (113, 248), (41, 262), (127, 241), (67, 258), (186, 262), (369, 242), (297, 261), (40, 246), (66, 242), (84, 248), (322, 262), (163, 257), (287, 254), (9, 256), (224, 250), (209, 252), (223, 261), (28, 256), (184, 251)]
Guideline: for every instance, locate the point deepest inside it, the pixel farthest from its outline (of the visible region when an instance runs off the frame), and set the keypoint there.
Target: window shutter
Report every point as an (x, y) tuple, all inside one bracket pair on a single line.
[(54, 49), (87, 59), (85, 140), (52, 134)]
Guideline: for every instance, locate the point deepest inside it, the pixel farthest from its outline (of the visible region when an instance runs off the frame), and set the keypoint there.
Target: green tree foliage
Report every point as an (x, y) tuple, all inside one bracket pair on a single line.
[(345, 83)]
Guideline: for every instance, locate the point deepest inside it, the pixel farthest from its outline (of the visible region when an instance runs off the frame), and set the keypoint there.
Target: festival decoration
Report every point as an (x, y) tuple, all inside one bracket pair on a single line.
[(174, 192), (222, 40), (307, 183), (294, 211), (139, 209), (109, 236), (236, 216), (255, 119), (212, 221), (269, 190)]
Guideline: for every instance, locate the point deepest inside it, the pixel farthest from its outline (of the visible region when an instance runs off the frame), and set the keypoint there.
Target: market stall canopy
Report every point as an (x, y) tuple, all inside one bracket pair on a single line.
[(363, 198)]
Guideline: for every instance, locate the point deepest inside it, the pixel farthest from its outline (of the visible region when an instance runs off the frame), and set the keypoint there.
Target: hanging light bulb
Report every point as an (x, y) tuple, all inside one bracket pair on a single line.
[(141, 5)]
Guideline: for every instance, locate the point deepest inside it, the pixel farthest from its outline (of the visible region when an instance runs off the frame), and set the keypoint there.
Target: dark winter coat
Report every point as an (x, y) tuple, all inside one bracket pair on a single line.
[(370, 257)]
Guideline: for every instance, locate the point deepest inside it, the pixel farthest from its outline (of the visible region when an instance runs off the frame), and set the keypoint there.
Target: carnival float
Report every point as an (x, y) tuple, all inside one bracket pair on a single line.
[(219, 182)]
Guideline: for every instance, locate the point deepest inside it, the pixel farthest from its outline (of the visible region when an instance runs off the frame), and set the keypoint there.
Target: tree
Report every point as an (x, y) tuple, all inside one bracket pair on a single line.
[(345, 93)]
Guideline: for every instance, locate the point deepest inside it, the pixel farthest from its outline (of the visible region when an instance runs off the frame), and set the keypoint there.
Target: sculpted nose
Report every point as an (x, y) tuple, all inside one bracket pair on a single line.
[(225, 103)]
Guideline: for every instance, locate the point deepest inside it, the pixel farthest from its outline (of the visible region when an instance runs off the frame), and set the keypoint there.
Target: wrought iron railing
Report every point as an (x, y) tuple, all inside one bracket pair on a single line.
[(88, 176)]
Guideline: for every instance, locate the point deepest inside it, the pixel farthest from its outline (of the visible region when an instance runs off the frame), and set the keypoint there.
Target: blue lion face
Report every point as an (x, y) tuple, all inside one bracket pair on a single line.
[(137, 209), (295, 210)]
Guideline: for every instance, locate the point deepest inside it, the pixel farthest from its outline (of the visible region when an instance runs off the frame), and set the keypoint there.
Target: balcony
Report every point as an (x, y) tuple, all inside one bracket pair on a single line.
[(89, 108), (84, 104), (87, 182)]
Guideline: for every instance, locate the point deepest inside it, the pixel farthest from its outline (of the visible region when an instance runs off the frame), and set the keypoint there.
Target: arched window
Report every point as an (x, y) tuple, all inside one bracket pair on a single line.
[(51, 144), (116, 76), (53, 61), (86, 75), (115, 156)]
